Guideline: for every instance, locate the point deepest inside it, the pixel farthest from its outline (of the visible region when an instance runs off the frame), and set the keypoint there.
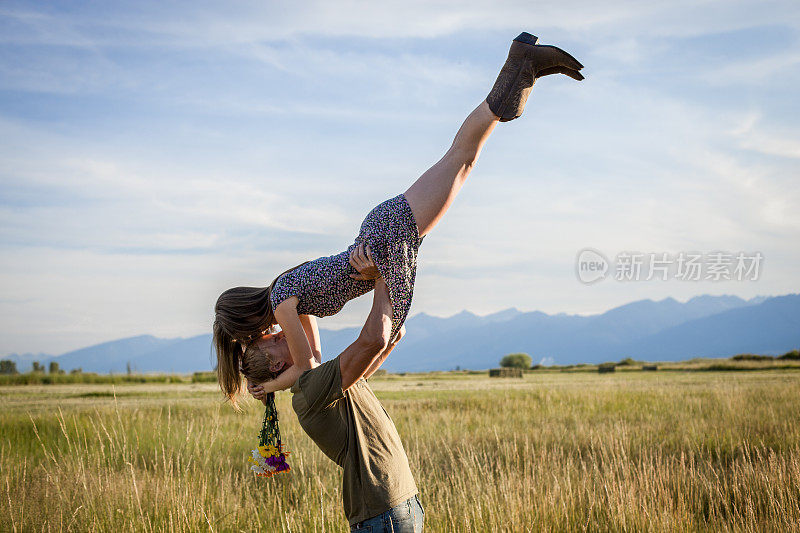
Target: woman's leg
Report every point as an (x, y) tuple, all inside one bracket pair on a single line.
[(431, 195), (433, 192)]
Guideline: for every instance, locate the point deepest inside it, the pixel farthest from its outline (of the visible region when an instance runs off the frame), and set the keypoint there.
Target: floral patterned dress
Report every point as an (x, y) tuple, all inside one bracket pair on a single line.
[(324, 285)]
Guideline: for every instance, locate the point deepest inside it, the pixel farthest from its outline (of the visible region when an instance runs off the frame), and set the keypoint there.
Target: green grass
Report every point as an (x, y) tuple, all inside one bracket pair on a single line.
[(555, 451)]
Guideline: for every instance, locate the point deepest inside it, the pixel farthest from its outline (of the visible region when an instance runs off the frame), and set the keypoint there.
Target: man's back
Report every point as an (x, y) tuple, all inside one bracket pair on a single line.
[(353, 429)]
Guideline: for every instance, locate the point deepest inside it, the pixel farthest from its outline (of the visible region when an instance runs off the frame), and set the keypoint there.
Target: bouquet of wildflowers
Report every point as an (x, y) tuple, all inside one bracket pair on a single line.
[(269, 458)]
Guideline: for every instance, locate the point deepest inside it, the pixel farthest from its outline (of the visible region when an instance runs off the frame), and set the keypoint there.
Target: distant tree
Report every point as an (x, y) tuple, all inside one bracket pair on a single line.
[(78, 370), (516, 360), (37, 367), (54, 368), (128, 368), (7, 366), (604, 368)]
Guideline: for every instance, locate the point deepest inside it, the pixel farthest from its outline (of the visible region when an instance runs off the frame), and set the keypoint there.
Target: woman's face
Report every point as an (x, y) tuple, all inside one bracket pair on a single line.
[(278, 349)]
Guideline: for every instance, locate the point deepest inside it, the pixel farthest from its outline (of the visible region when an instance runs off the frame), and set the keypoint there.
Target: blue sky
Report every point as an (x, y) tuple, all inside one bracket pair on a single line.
[(155, 154)]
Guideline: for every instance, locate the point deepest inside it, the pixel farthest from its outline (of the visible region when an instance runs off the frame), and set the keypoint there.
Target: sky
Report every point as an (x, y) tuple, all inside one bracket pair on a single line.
[(154, 154)]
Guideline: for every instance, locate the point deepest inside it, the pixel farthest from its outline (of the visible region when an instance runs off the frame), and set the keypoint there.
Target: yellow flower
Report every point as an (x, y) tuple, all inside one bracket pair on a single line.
[(268, 450)]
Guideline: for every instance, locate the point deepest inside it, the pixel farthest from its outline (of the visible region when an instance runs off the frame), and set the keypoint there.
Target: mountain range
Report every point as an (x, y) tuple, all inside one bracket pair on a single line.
[(665, 330)]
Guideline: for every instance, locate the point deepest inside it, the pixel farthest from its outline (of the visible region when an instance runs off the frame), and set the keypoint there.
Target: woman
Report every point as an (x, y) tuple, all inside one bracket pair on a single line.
[(389, 237)]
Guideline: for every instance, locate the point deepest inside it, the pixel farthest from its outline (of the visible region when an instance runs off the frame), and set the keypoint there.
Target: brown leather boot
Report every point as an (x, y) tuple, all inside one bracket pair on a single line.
[(526, 62)]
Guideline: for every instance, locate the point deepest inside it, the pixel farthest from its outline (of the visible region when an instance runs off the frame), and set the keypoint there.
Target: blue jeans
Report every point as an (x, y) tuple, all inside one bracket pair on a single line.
[(404, 518)]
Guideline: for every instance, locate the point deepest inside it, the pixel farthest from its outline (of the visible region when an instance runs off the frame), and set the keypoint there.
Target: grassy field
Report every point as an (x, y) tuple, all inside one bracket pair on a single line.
[(555, 451)]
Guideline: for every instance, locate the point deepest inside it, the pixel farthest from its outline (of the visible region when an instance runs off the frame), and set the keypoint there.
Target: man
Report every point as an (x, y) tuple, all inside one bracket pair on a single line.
[(338, 410)]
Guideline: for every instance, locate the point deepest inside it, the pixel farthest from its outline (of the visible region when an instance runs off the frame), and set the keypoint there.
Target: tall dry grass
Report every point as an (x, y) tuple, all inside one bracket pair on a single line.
[(552, 452)]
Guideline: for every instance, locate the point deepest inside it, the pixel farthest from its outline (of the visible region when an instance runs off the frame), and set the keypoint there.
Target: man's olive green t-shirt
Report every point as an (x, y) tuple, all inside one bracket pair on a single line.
[(354, 430)]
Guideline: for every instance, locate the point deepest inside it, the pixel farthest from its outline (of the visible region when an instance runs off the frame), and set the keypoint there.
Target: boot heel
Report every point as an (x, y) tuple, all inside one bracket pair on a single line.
[(527, 38)]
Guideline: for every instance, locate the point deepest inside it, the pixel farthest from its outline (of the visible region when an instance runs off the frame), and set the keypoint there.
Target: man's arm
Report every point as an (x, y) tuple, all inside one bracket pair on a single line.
[(357, 358), (376, 364)]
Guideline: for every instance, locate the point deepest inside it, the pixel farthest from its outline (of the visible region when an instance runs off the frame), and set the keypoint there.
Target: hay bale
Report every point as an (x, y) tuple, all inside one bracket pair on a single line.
[(505, 373)]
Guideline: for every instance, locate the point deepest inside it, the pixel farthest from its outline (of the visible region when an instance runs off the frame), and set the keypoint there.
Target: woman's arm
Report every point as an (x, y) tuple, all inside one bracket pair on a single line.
[(296, 338), (309, 323), (287, 378), (283, 381), (303, 356)]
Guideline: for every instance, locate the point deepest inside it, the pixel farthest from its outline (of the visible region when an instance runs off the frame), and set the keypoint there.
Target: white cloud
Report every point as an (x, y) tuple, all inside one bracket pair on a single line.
[(761, 71), (771, 143), (186, 24)]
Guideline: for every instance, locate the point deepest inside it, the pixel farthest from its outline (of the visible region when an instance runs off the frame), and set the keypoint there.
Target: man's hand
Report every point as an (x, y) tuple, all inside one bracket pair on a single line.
[(362, 261)]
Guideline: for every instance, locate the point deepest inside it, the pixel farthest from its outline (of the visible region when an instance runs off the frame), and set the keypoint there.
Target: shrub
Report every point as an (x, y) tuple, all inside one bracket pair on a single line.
[(752, 357), (204, 377), (40, 378), (793, 355), (723, 367), (606, 367), (516, 360)]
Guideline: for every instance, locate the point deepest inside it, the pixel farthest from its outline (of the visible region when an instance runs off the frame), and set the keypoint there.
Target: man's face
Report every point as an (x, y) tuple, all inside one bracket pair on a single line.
[(278, 349)]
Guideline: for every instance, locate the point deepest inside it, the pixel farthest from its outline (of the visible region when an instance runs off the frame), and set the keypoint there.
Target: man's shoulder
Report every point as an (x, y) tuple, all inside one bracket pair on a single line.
[(321, 385)]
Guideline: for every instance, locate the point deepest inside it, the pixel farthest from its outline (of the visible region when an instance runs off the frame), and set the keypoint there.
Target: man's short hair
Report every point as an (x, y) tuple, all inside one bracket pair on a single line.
[(255, 363)]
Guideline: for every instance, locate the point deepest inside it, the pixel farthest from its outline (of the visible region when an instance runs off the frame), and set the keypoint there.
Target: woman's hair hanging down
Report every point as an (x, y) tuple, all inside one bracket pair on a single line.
[(242, 314)]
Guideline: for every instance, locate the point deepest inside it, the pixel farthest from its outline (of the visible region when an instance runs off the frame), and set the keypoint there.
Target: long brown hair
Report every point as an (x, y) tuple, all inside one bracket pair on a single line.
[(242, 315)]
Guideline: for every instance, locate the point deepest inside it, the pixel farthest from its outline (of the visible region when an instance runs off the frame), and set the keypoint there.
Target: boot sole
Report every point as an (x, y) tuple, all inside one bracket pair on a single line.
[(527, 38)]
